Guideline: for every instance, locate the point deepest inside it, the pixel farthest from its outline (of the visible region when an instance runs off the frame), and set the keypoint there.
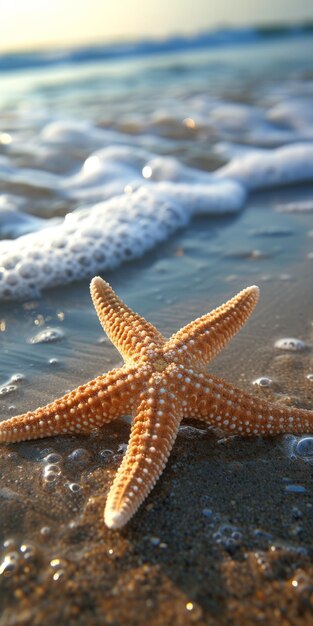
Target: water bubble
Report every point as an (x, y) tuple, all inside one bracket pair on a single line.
[(229, 537), (106, 455), (45, 531), (7, 389), (299, 447), (51, 473), (207, 512), (28, 551), (9, 543), (48, 335), (80, 456), (259, 533), (52, 468), (17, 377), (60, 573), (304, 448), (50, 478), (290, 343), (263, 381), (45, 452), (75, 487), (53, 457), (9, 564)]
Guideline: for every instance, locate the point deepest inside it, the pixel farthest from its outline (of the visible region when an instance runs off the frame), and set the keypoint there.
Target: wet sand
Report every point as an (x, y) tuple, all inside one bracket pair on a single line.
[(226, 535)]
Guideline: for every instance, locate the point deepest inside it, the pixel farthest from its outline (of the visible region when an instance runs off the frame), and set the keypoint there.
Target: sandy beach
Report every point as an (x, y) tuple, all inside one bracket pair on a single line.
[(225, 537)]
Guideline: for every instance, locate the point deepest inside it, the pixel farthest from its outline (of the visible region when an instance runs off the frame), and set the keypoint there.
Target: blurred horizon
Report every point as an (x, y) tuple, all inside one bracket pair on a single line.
[(36, 25)]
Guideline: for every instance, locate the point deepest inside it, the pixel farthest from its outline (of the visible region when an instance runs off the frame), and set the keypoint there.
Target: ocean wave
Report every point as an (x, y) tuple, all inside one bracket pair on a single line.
[(148, 198), (123, 227), (211, 39)]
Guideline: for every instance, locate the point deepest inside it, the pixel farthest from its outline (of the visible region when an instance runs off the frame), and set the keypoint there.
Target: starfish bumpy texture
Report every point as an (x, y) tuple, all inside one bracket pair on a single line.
[(162, 382)]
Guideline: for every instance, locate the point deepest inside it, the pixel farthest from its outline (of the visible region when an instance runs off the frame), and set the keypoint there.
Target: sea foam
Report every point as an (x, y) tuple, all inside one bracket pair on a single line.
[(132, 199)]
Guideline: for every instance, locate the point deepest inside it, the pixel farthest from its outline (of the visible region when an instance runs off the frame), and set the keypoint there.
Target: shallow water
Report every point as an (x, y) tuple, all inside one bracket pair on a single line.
[(250, 507), (101, 163)]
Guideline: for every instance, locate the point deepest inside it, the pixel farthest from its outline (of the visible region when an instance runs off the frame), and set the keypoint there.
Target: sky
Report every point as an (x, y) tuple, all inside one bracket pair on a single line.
[(27, 24)]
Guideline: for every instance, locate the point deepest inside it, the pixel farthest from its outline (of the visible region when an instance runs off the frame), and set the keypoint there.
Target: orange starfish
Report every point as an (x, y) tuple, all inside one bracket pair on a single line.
[(162, 382)]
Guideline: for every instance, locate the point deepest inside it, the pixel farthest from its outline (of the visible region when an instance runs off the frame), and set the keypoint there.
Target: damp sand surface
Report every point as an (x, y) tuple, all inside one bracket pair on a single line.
[(225, 537)]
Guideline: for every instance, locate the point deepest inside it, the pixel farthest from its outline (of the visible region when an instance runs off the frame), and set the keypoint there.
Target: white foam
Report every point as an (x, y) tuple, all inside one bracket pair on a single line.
[(260, 170), (102, 237), (135, 199)]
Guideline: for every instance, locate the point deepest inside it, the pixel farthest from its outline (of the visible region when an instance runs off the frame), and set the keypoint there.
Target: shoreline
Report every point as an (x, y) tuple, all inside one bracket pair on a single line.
[(221, 539)]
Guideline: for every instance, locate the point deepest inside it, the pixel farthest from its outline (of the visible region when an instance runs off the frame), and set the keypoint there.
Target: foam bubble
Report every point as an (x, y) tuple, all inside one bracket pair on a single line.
[(10, 385), (259, 170), (135, 200), (117, 230)]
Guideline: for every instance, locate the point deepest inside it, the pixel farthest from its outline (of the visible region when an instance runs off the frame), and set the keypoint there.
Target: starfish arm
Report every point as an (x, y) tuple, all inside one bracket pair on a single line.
[(224, 406), (132, 335), (153, 434), (80, 411), (202, 339)]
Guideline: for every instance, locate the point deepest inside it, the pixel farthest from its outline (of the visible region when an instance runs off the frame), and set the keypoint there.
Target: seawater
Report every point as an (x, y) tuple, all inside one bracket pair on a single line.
[(106, 153)]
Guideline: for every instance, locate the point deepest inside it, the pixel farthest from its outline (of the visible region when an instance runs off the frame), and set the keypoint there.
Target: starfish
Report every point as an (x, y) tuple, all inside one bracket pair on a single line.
[(161, 382)]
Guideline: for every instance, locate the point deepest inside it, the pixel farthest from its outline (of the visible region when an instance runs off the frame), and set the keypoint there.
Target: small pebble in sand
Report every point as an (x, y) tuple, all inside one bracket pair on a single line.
[(290, 343), (310, 377)]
